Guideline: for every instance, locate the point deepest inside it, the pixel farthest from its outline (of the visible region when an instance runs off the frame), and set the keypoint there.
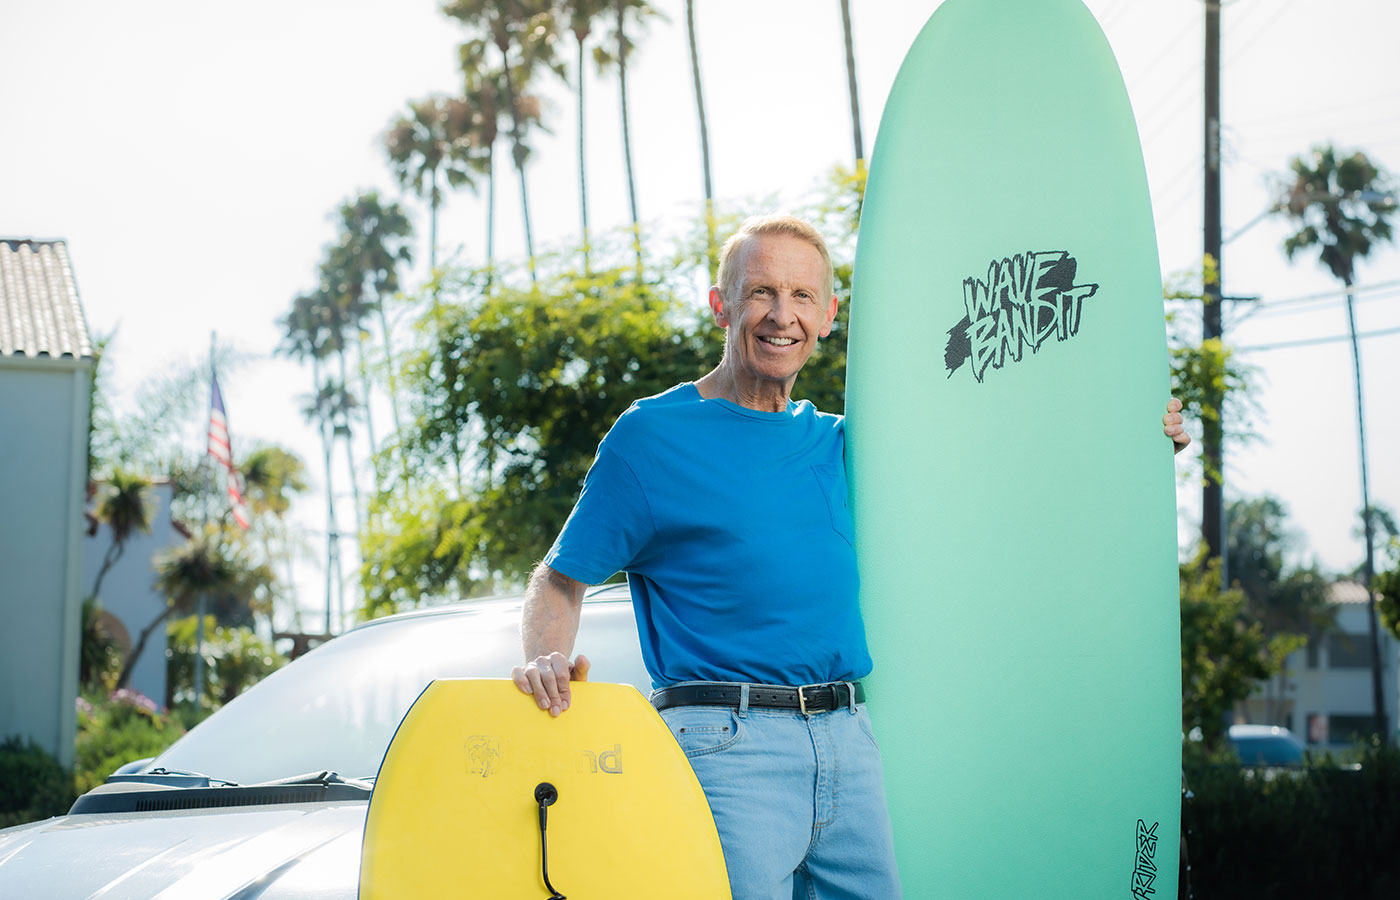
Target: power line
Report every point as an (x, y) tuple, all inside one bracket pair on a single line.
[(1108, 14), (1297, 129), (1307, 342), (1254, 35), (1339, 292), (1313, 306), (1378, 101), (1166, 50)]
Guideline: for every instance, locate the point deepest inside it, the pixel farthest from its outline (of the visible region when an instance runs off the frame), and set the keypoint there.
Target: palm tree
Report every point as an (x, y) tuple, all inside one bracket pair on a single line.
[(638, 11), (125, 505), (187, 575), (481, 92), (272, 475), (523, 31), (363, 266), (851, 81), (582, 14), (308, 328), (711, 251), (434, 136), (1342, 208)]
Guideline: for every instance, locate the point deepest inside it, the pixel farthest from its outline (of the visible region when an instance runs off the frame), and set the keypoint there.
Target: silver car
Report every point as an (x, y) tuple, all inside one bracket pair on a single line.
[(266, 799)]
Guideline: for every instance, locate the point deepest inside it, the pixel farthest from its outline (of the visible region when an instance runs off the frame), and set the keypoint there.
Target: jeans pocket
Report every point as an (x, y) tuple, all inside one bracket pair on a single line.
[(863, 720), (702, 730)]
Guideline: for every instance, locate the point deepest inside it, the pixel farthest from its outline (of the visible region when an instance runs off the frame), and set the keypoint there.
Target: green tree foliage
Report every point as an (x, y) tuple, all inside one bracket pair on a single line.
[(1206, 376), (1224, 652), (99, 657), (535, 377), (235, 658), (1284, 599), (1387, 587)]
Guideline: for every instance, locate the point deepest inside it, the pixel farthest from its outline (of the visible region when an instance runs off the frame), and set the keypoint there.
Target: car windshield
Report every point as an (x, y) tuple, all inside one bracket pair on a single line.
[(1271, 750), (337, 707)]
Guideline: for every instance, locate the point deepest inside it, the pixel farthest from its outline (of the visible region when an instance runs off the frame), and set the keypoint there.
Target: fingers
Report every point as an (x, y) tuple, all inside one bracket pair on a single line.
[(1174, 427), (546, 678)]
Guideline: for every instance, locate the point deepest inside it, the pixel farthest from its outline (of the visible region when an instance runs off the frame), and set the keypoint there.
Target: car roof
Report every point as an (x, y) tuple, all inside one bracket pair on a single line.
[(1258, 731)]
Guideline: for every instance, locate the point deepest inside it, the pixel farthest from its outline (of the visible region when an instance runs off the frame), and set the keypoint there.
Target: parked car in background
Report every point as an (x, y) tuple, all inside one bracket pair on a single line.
[(1266, 745), (266, 799)]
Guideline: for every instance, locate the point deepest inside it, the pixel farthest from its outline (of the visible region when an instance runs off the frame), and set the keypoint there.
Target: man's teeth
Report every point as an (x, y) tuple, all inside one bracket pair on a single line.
[(778, 341)]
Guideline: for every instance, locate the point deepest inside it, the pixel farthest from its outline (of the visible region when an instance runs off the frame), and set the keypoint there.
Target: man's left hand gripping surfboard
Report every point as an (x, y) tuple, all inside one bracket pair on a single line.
[(454, 811)]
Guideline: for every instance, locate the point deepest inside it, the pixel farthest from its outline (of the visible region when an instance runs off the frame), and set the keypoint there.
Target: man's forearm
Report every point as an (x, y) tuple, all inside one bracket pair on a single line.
[(549, 623)]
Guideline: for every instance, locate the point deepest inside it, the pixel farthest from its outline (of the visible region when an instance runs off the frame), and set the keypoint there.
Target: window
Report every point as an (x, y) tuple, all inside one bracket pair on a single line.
[(1348, 729), (1348, 651)]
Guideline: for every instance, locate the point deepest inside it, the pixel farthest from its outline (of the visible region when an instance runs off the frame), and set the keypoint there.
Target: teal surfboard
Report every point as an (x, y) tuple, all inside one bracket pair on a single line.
[(1013, 492)]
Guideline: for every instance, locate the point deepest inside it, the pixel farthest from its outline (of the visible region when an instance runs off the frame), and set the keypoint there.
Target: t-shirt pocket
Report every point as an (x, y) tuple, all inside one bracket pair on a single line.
[(832, 480)]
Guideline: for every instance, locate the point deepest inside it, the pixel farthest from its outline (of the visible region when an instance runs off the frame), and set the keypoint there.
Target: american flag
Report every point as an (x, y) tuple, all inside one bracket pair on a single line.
[(220, 449)]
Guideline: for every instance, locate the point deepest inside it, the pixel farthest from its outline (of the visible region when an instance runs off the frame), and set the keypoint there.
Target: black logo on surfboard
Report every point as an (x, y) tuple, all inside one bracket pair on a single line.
[(1025, 300), (1145, 867)]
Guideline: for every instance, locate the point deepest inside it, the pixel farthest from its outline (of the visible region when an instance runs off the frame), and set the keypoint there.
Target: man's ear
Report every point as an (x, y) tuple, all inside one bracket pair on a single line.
[(717, 308), (830, 317)]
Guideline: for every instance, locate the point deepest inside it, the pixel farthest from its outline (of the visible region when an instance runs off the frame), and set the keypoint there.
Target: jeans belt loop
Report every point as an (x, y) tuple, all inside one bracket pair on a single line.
[(850, 696), (743, 701)]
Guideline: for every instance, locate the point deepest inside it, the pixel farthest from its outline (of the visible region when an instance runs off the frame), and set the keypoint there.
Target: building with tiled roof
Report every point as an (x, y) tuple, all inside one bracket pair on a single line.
[(1325, 695), (40, 313), (45, 373)]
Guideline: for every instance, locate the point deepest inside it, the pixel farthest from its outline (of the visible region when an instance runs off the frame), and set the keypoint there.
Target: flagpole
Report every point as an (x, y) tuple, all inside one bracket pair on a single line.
[(208, 499)]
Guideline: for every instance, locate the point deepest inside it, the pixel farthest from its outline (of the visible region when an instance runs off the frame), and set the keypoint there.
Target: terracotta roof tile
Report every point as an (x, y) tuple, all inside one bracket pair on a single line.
[(40, 313), (1346, 592)]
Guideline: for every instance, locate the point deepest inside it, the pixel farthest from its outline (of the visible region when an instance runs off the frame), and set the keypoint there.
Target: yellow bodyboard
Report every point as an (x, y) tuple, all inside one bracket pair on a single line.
[(454, 811)]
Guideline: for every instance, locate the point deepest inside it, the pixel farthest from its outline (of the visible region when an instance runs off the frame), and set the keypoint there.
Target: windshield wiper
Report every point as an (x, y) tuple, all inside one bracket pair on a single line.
[(176, 778), (325, 778)]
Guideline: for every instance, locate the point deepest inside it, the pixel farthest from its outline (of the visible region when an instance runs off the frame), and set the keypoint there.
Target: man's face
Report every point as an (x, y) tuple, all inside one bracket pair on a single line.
[(772, 326)]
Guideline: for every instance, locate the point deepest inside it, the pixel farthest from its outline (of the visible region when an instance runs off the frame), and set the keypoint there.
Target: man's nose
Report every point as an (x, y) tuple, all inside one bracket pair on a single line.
[(783, 309)]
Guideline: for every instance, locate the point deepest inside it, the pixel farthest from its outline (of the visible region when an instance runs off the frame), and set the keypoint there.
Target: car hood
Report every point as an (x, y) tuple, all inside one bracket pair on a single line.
[(305, 851)]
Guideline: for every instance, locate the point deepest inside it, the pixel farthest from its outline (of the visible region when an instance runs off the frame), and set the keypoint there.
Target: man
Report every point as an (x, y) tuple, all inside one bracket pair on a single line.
[(724, 501)]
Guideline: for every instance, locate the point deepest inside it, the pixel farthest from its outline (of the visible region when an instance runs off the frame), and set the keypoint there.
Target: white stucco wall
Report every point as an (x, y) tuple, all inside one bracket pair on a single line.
[(1326, 690), (128, 590), (43, 470)]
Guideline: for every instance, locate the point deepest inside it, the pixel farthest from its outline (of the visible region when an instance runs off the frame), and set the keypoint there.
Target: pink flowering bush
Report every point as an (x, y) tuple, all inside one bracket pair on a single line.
[(116, 729)]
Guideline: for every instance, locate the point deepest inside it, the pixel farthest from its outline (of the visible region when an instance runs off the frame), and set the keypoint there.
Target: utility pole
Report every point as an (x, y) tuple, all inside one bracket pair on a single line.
[(1369, 572), (1212, 497)]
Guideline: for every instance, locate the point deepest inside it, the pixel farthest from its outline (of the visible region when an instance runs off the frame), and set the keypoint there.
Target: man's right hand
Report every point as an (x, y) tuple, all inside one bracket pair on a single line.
[(547, 679)]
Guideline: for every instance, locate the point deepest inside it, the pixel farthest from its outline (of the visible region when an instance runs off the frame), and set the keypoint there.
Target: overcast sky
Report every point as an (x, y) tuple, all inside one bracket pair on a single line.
[(191, 155)]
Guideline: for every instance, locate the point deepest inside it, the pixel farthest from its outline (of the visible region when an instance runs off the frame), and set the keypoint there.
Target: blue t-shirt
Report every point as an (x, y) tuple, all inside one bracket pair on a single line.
[(733, 529)]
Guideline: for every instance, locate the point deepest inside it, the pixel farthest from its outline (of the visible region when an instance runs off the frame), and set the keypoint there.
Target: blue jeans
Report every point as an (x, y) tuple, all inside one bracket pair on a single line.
[(799, 801)]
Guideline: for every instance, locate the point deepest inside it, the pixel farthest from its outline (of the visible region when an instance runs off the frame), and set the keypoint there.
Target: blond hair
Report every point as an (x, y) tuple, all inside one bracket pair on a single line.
[(731, 262)]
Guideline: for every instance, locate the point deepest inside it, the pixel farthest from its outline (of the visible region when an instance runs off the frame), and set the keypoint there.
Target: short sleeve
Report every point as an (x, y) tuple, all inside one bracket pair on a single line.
[(610, 524)]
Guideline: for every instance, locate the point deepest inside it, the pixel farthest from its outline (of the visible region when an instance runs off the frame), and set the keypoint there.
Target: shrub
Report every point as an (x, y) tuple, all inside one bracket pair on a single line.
[(1321, 831), (32, 783), (115, 730)]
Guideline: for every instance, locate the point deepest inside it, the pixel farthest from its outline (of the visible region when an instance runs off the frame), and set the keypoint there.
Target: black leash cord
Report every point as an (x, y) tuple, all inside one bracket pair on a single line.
[(545, 795)]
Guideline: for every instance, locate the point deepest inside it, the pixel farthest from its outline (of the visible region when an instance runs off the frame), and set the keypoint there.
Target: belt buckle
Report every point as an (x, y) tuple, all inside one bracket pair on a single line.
[(802, 698)]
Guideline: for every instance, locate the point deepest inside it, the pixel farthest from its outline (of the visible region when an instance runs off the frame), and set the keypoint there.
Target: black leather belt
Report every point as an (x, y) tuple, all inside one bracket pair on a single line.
[(807, 699)]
